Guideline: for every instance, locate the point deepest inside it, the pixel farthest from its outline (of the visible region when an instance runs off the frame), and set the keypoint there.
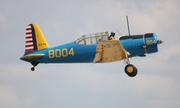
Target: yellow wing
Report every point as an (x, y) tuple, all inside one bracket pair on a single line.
[(30, 56), (110, 51)]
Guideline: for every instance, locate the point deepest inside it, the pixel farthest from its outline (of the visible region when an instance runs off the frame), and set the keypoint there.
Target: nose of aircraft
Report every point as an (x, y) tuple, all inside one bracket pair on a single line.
[(160, 41)]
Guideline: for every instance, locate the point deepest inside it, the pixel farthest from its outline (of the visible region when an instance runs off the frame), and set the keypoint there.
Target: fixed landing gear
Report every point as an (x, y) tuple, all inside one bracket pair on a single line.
[(34, 65), (130, 70), (33, 68)]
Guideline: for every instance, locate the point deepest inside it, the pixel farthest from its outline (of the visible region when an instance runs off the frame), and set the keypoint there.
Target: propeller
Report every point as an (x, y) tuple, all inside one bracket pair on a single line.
[(160, 41)]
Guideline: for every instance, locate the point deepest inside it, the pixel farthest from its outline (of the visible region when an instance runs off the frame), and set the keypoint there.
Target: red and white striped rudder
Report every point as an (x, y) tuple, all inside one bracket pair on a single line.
[(29, 46)]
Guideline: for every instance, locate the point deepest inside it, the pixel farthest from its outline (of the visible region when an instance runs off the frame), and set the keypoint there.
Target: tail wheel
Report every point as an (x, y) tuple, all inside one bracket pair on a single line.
[(32, 69), (130, 70), (34, 65)]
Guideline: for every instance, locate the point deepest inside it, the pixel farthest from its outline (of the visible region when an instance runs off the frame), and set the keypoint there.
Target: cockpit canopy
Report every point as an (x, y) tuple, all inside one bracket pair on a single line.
[(92, 38)]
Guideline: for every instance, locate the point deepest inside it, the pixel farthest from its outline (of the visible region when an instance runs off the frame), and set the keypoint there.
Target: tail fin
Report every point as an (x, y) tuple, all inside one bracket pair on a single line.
[(35, 39)]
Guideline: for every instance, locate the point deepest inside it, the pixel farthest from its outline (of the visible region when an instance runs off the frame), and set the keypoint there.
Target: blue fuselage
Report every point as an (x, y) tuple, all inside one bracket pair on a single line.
[(136, 45)]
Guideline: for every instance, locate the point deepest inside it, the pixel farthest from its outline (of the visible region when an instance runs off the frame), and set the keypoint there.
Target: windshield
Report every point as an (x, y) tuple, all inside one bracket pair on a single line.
[(92, 38)]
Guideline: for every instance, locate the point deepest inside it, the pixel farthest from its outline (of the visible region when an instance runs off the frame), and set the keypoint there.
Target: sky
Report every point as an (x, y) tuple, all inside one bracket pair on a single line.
[(88, 85)]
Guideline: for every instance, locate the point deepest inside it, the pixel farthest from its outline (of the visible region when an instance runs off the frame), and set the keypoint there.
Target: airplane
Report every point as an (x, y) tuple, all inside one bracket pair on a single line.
[(91, 48)]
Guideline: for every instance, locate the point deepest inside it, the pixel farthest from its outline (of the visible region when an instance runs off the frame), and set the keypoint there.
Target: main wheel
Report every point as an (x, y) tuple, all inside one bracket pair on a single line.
[(130, 70), (32, 69)]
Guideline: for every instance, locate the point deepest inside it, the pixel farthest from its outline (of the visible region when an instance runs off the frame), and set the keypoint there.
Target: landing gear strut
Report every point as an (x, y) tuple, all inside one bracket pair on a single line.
[(34, 65)]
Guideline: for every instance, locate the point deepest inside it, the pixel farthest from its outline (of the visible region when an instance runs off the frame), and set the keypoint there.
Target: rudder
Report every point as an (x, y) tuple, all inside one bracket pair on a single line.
[(35, 39)]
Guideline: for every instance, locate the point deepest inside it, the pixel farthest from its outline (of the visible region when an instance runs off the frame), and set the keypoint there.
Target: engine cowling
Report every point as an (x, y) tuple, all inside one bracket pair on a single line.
[(150, 43), (139, 45)]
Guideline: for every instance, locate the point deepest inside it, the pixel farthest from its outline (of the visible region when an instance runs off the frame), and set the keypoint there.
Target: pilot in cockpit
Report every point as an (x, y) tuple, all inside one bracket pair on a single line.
[(111, 37)]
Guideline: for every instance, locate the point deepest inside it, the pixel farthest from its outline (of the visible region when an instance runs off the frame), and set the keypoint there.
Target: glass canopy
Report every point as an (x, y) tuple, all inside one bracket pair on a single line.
[(92, 38)]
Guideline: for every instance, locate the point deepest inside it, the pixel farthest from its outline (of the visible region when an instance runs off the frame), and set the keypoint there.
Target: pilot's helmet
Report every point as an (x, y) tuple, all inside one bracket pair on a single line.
[(112, 34)]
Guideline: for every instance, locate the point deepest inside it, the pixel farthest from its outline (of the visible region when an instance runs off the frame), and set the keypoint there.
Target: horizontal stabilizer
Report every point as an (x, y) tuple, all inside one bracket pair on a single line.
[(30, 56)]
